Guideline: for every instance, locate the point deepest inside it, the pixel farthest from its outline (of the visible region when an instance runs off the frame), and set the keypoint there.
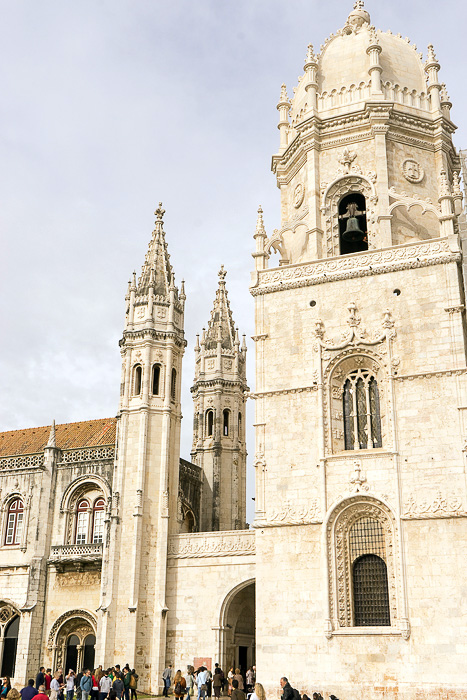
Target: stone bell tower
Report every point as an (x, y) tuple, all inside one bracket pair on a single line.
[(361, 371), (145, 487), (219, 395)]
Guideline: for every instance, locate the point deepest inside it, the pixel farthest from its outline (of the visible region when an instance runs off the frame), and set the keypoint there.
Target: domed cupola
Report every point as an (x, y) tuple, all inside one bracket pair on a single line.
[(365, 159)]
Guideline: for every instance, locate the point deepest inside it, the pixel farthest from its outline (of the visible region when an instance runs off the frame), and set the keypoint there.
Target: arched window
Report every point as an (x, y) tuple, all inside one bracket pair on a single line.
[(82, 522), (173, 384), (363, 564), (156, 378), (89, 651), (98, 521), (239, 425), (361, 409), (209, 422), (353, 229), (225, 421), (14, 525), (137, 380), (10, 643)]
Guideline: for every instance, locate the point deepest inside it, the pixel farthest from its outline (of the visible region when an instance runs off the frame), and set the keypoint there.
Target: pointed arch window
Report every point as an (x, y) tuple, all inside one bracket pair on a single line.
[(209, 422), (98, 516), (14, 525), (173, 384), (156, 379), (239, 425), (225, 422), (361, 411), (82, 521), (137, 380)]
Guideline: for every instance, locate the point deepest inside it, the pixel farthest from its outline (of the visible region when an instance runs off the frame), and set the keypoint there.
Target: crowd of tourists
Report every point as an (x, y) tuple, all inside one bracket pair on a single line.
[(109, 684), (202, 684), (116, 684)]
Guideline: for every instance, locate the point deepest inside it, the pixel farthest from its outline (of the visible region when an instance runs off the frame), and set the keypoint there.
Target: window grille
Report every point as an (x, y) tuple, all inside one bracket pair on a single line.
[(369, 574), (370, 592), (362, 419)]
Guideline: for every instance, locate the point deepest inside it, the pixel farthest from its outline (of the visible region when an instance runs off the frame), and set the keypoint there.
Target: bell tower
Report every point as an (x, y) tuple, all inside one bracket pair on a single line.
[(219, 395), (145, 487), (361, 376)]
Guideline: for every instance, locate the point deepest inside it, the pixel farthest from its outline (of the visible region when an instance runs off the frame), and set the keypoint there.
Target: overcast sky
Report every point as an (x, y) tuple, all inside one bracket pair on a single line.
[(109, 106)]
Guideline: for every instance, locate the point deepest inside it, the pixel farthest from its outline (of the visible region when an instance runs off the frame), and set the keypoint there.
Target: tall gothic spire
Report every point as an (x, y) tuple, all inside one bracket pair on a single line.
[(157, 271), (221, 323)]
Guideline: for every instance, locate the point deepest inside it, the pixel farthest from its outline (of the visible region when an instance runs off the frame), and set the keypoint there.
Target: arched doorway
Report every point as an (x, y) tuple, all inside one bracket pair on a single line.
[(71, 652), (10, 642), (89, 651), (73, 636), (237, 627)]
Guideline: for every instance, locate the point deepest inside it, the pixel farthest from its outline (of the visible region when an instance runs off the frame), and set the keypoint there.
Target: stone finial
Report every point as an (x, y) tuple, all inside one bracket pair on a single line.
[(310, 59), (357, 18), (431, 57), (283, 96), (443, 184), (182, 291), (244, 343), (52, 441), (456, 184), (444, 94), (159, 213), (359, 5), (260, 230), (222, 274)]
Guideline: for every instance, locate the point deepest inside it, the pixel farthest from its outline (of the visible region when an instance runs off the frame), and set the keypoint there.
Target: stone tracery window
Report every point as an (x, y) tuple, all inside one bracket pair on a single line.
[(357, 405), (86, 516), (361, 411)]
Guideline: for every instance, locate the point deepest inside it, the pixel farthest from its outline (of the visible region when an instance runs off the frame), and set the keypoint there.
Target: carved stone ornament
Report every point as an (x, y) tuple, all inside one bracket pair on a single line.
[(434, 505), (293, 514), (219, 544), (78, 616), (412, 170), (298, 195)]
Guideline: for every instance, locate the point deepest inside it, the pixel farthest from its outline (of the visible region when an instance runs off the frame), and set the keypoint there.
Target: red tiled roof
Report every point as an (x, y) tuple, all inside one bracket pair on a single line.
[(68, 436)]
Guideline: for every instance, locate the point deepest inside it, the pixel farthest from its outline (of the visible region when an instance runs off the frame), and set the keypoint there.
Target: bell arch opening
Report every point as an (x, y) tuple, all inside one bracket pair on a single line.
[(353, 227), (238, 628)]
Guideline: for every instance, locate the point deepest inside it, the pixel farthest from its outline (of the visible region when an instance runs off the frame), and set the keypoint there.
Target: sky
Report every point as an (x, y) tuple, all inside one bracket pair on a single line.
[(107, 108)]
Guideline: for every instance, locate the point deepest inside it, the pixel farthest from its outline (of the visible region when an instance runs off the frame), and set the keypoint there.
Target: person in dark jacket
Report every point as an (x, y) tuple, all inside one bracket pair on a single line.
[(28, 692), (40, 678), (287, 690)]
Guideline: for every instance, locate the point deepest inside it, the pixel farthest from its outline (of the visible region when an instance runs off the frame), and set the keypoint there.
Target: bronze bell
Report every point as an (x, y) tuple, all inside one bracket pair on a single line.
[(352, 233)]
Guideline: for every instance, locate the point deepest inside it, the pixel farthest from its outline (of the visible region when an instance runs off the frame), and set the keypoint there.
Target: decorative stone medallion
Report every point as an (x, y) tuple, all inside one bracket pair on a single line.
[(298, 195), (412, 170)]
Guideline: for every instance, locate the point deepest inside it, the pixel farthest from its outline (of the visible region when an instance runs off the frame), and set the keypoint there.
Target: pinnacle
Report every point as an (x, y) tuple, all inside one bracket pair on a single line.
[(221, 326), (157, 271)]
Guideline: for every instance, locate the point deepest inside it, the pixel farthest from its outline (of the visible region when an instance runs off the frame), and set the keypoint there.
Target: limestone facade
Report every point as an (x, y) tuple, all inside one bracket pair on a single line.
[(113, 549)]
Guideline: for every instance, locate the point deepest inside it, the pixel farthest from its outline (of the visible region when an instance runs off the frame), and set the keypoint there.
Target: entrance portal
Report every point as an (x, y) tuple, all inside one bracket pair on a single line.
[(238, 624)]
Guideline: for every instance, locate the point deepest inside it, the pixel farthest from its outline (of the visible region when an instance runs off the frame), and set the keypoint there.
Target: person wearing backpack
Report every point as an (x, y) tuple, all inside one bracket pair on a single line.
[(179, 685), (288, 693)]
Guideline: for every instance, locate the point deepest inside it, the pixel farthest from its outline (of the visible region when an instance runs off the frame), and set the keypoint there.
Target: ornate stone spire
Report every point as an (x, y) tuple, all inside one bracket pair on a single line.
[(221, 325), (52, 441), (157, 271)]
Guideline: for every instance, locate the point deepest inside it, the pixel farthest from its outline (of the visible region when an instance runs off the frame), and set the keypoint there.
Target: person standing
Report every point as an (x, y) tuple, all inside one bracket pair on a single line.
[(250, 680), (189, 682), (167, 678), (133, 684), (217, 682), (105, 685), (237, 694), (86, 684), (239, 678), (40, 678), (201, 682), (258, 693), (118, 685), (48, 680), (126, 682), (55, 687), (28, 692), (287, 690), (41, 695), (70, 684), (5, 687), (179, 685)]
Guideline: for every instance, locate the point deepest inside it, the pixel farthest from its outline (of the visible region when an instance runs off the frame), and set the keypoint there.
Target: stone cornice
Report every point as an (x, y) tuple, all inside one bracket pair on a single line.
[(413, 255)]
